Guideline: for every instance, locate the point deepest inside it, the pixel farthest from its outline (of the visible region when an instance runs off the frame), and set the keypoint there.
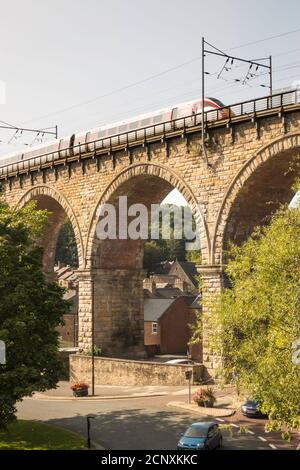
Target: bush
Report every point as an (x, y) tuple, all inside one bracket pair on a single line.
[(98, 352), (204, 397)]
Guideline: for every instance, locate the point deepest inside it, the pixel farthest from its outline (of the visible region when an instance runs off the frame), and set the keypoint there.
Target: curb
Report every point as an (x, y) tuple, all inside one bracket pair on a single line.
[(38, 396), (96, 446), (220, 412)]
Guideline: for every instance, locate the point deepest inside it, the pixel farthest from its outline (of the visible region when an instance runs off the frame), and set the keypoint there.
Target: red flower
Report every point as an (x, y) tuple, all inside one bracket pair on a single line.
[(79, 386)]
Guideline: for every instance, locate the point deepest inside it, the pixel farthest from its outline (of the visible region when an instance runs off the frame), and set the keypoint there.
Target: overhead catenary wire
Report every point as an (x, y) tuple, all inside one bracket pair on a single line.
[(174, 68), (157, 75)]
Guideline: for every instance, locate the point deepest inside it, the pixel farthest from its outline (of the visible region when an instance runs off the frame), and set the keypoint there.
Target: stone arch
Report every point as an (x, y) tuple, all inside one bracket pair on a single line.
[(61, 205), (156, 171), (280, 147)]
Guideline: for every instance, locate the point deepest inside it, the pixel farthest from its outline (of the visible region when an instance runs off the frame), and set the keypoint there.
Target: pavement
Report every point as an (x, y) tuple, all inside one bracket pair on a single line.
[(103, 392), (63, 390), (217, 411)]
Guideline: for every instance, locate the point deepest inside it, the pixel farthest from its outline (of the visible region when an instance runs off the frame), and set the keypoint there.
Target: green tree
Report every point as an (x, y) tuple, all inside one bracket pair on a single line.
[(66, 250), (194, 256), (156, 252), (30, 310), (255, 323)]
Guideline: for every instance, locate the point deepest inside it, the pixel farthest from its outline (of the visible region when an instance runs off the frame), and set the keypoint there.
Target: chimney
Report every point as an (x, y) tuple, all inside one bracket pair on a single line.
[(149, 284), (181, 285)]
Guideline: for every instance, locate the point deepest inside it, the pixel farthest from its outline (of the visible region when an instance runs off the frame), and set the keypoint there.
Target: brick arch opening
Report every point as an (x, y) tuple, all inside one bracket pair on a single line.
[(117, 265), (257, 191), (59, 209), (147, 184)]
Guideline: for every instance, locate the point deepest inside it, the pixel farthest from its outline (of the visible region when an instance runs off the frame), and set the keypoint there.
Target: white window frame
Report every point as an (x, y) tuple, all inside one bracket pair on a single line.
[(154, 328)]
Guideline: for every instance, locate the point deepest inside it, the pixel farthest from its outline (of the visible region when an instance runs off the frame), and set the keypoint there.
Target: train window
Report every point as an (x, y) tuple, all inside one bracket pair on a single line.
[(182, 112), (145, 122), (123, 128), (157, 119), (133, 125), (101, 134), (112, 131)]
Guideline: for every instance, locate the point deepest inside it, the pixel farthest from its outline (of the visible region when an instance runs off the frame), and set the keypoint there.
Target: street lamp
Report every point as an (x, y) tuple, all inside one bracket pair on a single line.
[(88, 418), (188, 376)]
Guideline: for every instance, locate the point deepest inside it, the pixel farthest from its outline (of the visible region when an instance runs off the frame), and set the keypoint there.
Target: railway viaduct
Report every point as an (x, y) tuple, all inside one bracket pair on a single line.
[(245, 177)]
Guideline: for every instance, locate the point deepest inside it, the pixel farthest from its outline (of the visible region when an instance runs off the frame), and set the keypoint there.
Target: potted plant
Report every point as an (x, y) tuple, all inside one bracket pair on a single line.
[(204, 397), (80, 389)]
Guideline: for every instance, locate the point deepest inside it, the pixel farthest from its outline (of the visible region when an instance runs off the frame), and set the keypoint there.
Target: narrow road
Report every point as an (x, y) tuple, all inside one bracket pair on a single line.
[(139, 423)]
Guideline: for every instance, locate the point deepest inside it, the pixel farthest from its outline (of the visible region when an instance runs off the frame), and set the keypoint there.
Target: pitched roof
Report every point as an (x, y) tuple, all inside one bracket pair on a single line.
[(164, 279), (155, 308), (72, 296), (190, 300), (168, 292), (188, 267), (197, 302)]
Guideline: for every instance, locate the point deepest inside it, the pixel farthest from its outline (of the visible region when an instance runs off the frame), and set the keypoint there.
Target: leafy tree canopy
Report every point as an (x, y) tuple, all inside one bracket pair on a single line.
[(66, 251), (157, 252), (256, 322), (30, 310)]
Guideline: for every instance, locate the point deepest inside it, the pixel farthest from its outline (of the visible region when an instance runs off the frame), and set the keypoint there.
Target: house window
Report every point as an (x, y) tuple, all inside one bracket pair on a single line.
[(154, 328)]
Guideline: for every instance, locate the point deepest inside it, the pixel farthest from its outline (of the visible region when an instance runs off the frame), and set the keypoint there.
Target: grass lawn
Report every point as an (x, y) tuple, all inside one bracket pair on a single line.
[(31, 435)]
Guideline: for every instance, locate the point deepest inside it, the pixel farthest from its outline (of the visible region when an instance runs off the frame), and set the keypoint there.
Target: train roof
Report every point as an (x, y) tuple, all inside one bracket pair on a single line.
[(22, 152)]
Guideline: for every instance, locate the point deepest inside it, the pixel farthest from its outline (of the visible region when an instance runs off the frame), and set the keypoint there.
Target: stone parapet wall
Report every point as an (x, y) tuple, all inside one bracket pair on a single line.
[(110, 371)]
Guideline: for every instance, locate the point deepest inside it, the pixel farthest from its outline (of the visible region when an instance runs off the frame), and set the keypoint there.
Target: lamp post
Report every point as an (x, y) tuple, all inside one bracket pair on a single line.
[(188, 376), (88, 418)]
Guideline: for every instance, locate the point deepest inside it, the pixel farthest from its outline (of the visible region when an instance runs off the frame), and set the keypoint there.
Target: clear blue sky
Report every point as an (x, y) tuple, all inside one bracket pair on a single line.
[(59, 53)]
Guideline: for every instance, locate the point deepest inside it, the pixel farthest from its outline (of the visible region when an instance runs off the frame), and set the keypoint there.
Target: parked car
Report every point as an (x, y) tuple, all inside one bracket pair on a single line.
[(180, 361), (204, 435), (251, 409)]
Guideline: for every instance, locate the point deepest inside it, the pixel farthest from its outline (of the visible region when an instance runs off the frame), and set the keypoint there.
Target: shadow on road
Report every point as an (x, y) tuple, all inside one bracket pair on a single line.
[(136, 429)]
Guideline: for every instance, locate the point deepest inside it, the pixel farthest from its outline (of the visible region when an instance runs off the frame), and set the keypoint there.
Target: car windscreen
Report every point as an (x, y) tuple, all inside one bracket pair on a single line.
[(251, 403), (196, 432)]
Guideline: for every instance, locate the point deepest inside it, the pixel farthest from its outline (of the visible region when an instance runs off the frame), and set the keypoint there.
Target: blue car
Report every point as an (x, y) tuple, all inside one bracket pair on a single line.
[(201, 436)]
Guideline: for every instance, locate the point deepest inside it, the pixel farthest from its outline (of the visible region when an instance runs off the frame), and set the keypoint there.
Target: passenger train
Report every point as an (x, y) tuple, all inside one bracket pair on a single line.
[(113, 134)]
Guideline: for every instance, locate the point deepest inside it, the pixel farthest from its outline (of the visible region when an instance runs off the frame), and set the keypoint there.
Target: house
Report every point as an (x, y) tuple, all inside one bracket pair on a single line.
[(166, 325), (69, 331), (195, 308), (166, 286), (169, 309), (66, 278), (186, 272)]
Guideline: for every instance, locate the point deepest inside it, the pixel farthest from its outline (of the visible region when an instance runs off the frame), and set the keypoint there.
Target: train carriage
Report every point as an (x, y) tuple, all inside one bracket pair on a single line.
[(119, 133)]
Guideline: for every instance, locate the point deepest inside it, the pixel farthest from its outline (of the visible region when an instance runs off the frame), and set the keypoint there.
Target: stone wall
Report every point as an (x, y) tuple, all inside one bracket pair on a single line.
[(247, 166), (126, 372)]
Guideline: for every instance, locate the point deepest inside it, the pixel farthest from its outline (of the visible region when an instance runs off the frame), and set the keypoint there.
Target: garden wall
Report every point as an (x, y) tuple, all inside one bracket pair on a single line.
[(110, 371)]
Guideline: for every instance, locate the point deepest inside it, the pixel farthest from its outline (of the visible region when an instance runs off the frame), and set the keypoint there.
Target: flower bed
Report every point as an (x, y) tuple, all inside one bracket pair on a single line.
[(80, 389), (204, 397)]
